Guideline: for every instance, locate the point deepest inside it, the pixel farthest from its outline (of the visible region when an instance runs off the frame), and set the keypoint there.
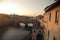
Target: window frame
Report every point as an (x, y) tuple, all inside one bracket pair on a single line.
[(57, 17), (50, 16)]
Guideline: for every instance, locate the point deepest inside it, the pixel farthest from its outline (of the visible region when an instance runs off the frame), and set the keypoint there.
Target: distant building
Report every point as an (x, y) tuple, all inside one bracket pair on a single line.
[(37, 30), (51, 21), (40, 19)]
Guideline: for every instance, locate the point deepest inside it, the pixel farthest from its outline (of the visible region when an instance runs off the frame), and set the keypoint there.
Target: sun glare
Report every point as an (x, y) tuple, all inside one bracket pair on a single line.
[(9, 8)]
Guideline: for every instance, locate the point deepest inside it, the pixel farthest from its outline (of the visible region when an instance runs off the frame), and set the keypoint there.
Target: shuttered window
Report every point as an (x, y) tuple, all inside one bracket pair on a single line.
[(50, 17), (57, 17)]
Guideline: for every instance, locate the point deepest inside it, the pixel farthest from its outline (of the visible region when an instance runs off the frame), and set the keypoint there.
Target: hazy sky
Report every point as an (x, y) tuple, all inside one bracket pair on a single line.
[(24, 7)]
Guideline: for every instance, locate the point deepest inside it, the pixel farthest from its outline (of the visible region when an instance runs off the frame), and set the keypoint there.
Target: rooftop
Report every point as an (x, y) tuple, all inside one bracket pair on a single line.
[(52, 6)]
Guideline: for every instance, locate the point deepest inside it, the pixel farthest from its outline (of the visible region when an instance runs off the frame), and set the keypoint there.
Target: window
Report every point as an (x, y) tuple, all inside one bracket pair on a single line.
[(50, 17), (57, 17), (40, 31), (48, 34), (33, 39), (54, 38), (34, 31)]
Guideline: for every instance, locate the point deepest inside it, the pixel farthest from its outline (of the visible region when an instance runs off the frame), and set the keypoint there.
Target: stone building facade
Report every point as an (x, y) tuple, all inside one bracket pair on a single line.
[(37, 31), (51, 21)]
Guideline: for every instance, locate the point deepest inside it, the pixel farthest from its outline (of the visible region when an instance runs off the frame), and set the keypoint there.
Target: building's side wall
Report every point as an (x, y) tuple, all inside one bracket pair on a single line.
[(54, 28), (45, 22)]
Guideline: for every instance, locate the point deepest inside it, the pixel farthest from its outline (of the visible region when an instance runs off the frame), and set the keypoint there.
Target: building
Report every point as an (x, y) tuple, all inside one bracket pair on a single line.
[(51, 21), (37, 31)]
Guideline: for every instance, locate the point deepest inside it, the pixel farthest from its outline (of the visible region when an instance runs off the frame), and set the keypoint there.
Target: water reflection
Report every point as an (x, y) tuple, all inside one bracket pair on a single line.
[(15, 34)]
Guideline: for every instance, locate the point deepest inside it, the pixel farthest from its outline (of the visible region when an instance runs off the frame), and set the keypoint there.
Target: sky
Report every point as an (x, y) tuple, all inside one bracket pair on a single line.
[(24, 7)]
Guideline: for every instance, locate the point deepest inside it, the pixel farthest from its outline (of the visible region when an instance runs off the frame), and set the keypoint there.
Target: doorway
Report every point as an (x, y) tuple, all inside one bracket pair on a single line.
[(39, 37)]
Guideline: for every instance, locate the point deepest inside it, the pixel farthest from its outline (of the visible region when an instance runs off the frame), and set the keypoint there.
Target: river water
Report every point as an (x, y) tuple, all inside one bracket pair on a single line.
[(15, 34)]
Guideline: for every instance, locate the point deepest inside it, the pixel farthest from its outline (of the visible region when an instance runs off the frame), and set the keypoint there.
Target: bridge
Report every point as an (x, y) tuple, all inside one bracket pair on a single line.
[(32, 25), (35, 28)]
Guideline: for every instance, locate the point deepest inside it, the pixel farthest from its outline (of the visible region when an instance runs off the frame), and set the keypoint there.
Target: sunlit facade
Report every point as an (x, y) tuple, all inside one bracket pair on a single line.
[(51, 21)]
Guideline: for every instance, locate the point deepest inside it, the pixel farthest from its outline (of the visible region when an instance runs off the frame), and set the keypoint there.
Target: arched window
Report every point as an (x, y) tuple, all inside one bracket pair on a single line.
[(39, 37)]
